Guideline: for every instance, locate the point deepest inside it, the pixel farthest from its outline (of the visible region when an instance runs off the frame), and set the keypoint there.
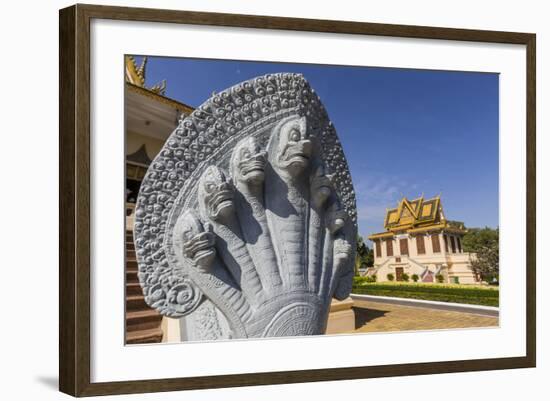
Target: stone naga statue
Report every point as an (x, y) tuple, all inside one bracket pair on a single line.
[(246, 220)]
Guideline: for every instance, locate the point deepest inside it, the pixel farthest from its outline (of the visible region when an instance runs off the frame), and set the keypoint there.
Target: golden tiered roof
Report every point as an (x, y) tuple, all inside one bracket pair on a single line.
[(417, 215)]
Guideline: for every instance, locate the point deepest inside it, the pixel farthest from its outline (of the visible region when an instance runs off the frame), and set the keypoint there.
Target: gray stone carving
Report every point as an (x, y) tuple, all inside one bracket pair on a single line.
[(248, 214)]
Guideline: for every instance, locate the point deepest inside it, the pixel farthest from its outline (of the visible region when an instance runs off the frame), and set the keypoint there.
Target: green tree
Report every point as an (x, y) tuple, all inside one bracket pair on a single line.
[(484, 243), (364, 256)]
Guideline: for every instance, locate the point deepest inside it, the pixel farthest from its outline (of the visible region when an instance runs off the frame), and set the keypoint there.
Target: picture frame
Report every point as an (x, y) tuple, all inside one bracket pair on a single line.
[(76, 205)]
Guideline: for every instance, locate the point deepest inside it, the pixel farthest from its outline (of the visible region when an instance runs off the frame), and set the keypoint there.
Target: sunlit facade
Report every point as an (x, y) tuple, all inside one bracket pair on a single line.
[(419, 240)]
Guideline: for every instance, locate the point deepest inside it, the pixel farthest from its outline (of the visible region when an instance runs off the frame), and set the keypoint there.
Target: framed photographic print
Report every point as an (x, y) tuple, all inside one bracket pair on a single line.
[(346, 200)]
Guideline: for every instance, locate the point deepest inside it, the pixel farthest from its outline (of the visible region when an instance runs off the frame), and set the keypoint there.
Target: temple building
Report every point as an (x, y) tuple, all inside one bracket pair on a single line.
[(420, 240), (151, 117)]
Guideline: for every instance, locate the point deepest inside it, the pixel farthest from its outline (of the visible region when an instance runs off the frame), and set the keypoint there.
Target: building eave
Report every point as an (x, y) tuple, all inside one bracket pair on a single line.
[(388, 234), (433, 227), (184, 108), (453, 230), (443, 227)]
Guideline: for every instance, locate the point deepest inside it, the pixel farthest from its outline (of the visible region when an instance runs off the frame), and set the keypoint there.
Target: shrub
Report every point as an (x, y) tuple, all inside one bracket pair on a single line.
[(459, 293), (390, 277), (405, 277), (439, 278), (415, 277), (370, 279)]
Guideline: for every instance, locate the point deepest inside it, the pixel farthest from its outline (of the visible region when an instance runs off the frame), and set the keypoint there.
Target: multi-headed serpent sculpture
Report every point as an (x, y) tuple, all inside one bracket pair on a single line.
[(249, 213)]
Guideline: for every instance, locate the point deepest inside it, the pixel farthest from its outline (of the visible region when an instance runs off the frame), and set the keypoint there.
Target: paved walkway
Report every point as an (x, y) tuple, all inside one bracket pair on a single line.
[(378, 317)]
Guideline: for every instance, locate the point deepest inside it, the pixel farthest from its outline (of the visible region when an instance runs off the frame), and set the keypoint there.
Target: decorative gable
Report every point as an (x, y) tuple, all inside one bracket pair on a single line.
[(415, 213), (418, 216)]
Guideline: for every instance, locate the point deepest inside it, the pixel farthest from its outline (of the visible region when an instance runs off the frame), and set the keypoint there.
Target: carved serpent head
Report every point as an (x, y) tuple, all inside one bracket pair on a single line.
[(197, 243), (294, 150), (215, 194), (248, 162)]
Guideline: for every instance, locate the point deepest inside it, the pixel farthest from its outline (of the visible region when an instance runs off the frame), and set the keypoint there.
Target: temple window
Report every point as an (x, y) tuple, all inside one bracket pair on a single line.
[(453, 244), (420, 246), (436, 246), (404, 246), (389, 247)]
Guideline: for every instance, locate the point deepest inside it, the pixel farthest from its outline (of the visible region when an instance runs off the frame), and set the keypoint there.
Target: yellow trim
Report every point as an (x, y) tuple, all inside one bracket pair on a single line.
[(420, 201), (135, 75), (417, 216), (427, 228), (454, 230), (427, 210), (162, 99), (388, 214), (437, 205), (443, 227), (418, 221), (380, 235)]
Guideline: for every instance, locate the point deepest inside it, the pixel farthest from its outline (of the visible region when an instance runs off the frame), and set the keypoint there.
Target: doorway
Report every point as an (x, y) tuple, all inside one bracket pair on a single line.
[(399, 274)]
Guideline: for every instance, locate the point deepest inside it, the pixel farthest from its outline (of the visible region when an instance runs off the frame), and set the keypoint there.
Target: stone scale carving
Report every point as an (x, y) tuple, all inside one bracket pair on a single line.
[(246, 220)]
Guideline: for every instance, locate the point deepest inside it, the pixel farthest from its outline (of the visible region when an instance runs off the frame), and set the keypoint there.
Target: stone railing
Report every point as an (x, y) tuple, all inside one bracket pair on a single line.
[(415, 262)]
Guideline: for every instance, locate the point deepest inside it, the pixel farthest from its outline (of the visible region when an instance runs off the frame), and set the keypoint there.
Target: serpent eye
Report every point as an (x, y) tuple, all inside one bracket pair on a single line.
[(295, 135), (246, 153), (209, 186), (187, 234)]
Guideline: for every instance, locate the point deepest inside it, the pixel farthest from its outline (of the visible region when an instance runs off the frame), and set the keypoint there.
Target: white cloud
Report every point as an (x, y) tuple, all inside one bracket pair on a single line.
[(374, 193)]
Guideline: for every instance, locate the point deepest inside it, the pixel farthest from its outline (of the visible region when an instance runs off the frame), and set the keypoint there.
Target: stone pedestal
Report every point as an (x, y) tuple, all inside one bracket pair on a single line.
[(171, 331), (341, 318)]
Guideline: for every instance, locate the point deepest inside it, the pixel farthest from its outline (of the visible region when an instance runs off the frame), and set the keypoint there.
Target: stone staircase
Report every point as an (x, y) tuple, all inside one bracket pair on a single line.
[(143, 324)]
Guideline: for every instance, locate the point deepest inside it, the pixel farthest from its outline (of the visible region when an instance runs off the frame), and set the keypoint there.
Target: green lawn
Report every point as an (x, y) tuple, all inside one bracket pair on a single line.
[(462, 294)]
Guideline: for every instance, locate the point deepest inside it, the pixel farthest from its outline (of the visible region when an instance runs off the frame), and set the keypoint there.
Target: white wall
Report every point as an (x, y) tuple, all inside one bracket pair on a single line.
[(29, 257)]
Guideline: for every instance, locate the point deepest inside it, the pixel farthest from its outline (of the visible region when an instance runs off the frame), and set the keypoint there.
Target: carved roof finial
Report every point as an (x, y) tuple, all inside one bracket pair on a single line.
[(141, 70), (136, 75), (159, 88), (132, 72)]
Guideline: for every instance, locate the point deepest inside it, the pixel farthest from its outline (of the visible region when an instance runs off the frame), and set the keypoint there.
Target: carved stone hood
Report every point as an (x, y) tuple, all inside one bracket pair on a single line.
[(250, 207)]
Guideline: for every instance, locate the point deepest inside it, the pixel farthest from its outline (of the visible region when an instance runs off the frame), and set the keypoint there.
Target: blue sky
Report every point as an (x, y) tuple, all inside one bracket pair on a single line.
[(404, 132)]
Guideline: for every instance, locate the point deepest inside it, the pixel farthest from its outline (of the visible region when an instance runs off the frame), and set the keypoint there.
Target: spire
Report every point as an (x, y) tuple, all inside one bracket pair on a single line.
[(141, 70), (136, 75)]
